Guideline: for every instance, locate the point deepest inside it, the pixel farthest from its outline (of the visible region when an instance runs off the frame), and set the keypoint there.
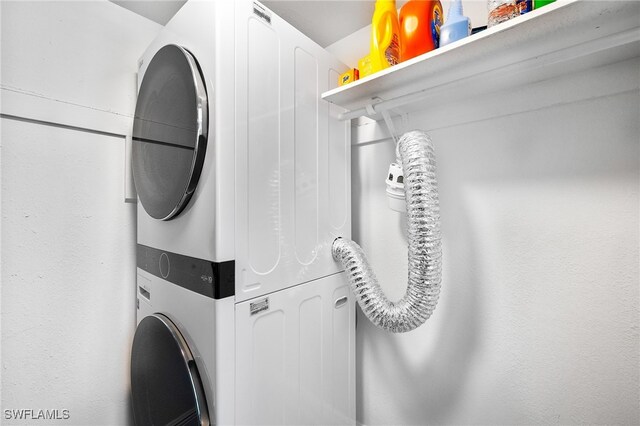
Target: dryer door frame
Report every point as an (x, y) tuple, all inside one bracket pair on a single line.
[(166, 386), (170, 132)]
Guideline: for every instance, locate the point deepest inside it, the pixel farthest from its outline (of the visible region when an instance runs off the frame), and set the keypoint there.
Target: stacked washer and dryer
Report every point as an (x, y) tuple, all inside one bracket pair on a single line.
[(243, 178)]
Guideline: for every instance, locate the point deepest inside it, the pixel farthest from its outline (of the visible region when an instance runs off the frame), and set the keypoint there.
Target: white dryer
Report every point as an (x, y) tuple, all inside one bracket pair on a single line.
[(243, 178)]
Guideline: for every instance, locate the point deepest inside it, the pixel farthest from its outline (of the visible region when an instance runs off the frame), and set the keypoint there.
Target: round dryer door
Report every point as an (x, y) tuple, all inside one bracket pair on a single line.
[(165, 383), (169, 132)]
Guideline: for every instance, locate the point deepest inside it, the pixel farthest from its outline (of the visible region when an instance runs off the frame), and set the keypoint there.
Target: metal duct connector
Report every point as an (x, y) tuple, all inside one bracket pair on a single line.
[(425, 249)]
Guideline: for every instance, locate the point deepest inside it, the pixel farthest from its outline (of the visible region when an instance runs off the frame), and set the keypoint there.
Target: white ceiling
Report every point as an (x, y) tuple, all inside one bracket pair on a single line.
[(324, 21), (159, 11)]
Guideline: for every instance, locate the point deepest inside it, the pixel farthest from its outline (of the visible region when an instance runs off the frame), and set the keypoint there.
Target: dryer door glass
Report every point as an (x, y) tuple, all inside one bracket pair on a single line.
[(165, 383), (169, 132)]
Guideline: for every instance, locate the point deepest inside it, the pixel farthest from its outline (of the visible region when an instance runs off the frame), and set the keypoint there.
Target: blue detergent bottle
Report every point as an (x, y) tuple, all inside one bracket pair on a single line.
[(456, 27)]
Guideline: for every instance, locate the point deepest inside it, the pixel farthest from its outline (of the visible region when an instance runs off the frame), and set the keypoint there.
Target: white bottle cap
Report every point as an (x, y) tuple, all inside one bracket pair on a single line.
[(395, 188)]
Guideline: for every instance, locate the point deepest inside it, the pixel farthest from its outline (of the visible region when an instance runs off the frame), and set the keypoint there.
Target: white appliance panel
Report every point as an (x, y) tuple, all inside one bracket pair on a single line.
[(295, 356), (306, 145), (193, 315), (263, 147), (284, 135), (205, 228)]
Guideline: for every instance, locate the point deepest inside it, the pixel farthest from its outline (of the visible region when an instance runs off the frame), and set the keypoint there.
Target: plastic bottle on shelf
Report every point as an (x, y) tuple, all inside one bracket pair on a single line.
[(539, 3), (457, 26), (420, 22), (385, 36), (524, 6), (501, 10)]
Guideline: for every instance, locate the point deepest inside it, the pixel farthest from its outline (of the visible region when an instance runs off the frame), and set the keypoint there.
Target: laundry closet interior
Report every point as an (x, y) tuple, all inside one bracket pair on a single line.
[(175, 181)]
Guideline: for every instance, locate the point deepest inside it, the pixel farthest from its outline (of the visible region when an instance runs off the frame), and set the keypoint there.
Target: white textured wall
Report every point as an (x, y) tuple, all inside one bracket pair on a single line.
[(539, 313), (68, 237)]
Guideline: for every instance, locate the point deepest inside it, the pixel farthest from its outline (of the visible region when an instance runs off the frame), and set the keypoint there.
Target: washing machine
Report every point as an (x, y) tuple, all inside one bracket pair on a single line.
[(243, 179)]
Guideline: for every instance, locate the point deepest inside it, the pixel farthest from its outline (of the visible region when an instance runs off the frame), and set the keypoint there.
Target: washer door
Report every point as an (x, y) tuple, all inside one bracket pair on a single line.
[(165, 383), (169, 132)]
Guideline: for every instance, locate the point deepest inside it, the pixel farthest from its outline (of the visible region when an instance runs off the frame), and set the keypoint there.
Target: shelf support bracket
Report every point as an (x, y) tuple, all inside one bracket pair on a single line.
[(370, 109), (393, 131), (390, 126)]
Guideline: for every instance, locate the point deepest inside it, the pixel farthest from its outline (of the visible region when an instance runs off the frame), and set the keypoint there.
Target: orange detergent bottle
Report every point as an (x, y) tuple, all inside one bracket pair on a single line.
[(420, 22), (385, 36)]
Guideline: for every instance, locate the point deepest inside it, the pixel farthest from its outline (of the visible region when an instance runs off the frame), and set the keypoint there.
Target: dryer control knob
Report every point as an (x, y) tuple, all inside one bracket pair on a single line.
[(164, 265)]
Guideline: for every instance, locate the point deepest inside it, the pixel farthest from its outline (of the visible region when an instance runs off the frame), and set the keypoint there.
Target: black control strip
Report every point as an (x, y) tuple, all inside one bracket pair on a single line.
[(211, 279)]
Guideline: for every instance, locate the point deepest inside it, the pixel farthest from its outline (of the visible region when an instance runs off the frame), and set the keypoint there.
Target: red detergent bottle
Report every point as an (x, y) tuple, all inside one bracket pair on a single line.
[(420, 22)]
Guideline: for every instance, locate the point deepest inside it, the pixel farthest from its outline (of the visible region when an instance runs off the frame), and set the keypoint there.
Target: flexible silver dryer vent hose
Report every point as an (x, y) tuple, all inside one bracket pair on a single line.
[(425, 253)]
